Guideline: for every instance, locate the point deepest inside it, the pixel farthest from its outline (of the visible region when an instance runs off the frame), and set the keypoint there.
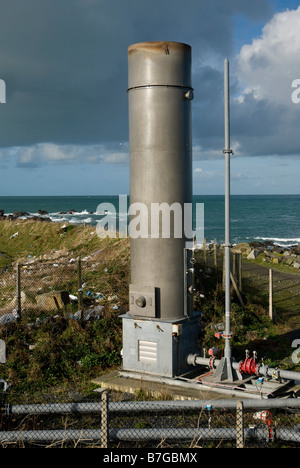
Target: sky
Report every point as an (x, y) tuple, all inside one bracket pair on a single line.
[(64, 126)]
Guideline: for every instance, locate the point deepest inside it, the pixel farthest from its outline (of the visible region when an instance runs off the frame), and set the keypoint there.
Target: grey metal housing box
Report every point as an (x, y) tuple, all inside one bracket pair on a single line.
[(146, 292), (159, 347)]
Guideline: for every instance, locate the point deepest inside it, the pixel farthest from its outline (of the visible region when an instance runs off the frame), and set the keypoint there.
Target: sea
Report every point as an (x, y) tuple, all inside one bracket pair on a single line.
[(271, 218)]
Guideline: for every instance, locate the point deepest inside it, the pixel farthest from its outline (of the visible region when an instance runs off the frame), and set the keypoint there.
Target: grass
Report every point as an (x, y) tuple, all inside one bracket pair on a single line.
[(268, 263), (39, 238), (49, 349), (251, 326)]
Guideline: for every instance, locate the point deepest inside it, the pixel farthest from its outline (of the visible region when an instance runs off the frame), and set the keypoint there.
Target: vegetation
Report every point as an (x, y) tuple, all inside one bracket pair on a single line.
[(65, 353), (60, 350), (251, 326), (23, 238)]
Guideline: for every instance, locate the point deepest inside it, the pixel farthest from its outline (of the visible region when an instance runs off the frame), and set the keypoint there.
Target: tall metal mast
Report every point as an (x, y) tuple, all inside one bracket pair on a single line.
[(227, 151), (225, 370)]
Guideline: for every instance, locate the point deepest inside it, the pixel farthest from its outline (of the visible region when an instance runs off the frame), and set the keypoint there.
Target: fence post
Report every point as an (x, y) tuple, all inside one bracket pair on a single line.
[(104, 420), (240, 439), (204, 252), (2, 352), (223, 270), (271, 294), (237, 290), (234, 267), (240, 268), (79, 281), (18, 291), (215, 258)]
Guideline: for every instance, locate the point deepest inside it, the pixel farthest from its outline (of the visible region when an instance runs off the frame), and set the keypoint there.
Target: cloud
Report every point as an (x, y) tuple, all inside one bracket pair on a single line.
[(49, 153), (264, 118), (65, 62), (270, 64)]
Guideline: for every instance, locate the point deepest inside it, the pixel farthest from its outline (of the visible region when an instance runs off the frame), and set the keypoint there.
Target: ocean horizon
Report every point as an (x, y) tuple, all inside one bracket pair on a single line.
[(271, 218)]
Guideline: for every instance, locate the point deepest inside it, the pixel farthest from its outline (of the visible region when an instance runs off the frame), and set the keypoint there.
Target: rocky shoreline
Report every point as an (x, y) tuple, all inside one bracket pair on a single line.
[(267, 252), (42, 215), (275, 254)]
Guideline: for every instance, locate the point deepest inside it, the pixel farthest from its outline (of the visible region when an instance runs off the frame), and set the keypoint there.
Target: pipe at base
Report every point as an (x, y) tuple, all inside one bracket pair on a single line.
[(266, 371)]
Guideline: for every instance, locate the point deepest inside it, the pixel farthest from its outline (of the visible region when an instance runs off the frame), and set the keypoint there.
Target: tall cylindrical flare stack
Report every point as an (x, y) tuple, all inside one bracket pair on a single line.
[(161, 326), (160, 93)]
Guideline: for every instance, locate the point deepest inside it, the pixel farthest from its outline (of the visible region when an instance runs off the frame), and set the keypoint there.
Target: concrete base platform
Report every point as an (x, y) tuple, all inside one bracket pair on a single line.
[(181, 390), (188, 387)]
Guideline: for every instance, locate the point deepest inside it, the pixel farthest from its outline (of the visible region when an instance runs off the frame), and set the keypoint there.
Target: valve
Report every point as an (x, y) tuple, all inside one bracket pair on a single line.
[(218, 335), (213, 351), (249, 366)]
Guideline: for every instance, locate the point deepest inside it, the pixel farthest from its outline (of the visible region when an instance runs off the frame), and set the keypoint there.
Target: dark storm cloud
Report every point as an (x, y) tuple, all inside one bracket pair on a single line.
[(265, 128), (65, 63)]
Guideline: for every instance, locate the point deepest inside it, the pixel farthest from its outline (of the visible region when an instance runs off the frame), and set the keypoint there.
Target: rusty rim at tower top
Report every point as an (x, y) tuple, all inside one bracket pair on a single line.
[(160, 63), (158, 47)]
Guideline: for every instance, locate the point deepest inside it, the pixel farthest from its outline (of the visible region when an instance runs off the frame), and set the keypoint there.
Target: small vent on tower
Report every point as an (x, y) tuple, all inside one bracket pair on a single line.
[(148, 351)]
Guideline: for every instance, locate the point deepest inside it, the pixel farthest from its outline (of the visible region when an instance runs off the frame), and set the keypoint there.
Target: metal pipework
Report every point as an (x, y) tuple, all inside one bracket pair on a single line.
[(148, 434), (148, 406), (160, 94), (265, 371), (136, 434)]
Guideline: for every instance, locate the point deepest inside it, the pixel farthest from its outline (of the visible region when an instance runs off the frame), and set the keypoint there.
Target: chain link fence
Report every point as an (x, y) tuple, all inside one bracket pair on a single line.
[(75, 288), (82, 286), (82, 289), (106, 422), (274, 285)]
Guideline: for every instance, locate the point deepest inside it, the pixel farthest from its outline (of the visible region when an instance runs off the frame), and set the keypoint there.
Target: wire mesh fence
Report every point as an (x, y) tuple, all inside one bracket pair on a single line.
[(75, 287), (105, 423), (275, 284), (285, 290), (82, 289)]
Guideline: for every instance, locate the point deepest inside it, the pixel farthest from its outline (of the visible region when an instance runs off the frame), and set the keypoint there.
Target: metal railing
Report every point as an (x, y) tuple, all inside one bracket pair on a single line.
[(148, 424)]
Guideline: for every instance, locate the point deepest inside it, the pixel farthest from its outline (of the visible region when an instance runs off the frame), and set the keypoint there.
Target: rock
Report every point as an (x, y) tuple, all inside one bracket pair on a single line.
[(253, 254), (297, 249), (18, 214), (40, 218), (289, 261), (67, 212), (55, 300), (25, 301), (1, 213), (243, 248), (297, 265), (42, 212), (276, 260)]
